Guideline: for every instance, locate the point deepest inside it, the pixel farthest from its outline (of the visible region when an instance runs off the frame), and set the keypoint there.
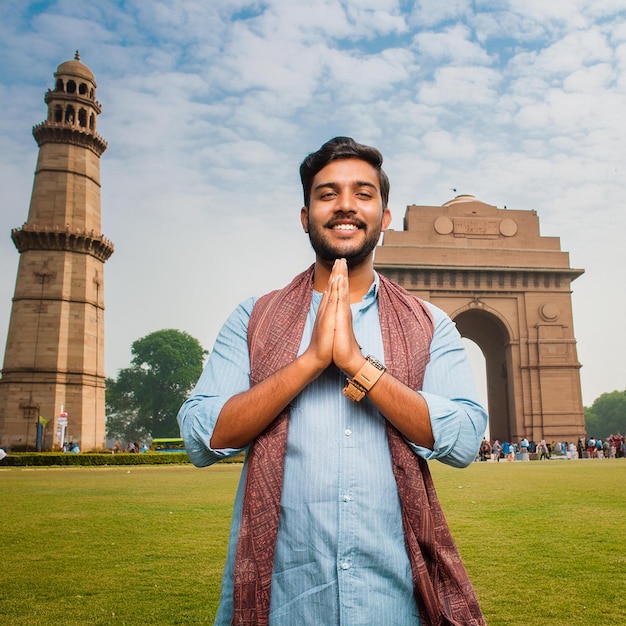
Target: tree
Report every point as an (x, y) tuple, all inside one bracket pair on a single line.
[(607, 415), (144, 399)]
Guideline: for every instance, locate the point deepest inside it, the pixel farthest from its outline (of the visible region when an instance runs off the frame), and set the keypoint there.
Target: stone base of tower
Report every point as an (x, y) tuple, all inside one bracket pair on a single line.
[(79, 398)]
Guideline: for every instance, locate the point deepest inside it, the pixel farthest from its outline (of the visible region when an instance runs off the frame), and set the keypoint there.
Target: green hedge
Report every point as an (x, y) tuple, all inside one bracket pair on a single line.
[(24, 459), (42, 459)]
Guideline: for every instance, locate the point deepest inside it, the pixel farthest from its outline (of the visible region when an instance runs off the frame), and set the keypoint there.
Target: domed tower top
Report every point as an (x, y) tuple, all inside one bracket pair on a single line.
[(74, 69), (72, 108)]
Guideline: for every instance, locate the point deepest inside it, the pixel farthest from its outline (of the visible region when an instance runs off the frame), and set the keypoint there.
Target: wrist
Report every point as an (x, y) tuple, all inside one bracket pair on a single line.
[(312, 367), (364, 379), (355, 365)]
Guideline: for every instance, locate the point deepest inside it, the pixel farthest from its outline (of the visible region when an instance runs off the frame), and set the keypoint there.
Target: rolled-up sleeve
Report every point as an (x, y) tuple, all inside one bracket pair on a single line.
[(458, 419), (226, 373)]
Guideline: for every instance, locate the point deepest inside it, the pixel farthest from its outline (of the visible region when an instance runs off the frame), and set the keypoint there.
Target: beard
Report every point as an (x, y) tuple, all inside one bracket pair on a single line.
[(354, 254)]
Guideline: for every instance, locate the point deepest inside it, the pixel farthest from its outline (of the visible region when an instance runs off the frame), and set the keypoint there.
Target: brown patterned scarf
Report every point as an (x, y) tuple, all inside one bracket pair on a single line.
[(443, 592)]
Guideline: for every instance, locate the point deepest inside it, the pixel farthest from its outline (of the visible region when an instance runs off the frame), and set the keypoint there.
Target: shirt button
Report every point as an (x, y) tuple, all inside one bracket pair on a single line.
[(345, 566), (347, 432), (347, 498)]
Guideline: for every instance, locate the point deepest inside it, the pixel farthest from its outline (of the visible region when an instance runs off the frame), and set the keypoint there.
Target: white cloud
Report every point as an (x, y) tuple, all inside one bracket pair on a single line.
[(467, 85), (564, 56), (445, 146), (451, 46), (568, 12), (591, 79), (353, 78), (427, 13)]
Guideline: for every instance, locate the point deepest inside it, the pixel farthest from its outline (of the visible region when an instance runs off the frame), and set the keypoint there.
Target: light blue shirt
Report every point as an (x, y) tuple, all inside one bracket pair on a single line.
[(340, 555)]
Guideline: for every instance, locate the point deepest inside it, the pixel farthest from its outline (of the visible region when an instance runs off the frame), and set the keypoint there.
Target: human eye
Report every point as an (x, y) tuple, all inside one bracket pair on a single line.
[(327, 194)]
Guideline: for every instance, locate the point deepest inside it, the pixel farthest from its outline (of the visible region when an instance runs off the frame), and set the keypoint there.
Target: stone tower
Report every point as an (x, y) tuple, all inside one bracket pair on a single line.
[(54, 359)]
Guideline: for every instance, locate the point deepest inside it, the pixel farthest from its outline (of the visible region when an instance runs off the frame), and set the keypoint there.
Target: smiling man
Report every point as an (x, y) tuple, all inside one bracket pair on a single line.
[(340, 387)]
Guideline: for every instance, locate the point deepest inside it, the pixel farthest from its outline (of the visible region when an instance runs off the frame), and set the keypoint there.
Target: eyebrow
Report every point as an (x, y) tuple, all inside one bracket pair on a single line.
[(355, 185)]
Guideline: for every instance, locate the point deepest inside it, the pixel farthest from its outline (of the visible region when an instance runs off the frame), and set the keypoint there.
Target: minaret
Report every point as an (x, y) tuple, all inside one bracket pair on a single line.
[(54, 359)]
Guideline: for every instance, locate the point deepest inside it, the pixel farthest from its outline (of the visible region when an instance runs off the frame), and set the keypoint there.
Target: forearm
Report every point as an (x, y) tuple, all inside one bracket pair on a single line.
[(450, 431), (444, 420), (247, 414), (404, 408)]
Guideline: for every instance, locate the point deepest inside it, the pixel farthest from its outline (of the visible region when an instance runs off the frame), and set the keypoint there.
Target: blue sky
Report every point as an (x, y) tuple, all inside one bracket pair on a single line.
[(209, 107)]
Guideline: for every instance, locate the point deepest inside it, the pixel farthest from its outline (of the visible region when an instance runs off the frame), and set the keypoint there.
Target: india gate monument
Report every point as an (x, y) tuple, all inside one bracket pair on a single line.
[(507, 288), (52, 385)]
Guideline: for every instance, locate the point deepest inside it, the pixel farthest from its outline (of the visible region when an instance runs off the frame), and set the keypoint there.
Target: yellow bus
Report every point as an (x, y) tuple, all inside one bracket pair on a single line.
[(168, 444)]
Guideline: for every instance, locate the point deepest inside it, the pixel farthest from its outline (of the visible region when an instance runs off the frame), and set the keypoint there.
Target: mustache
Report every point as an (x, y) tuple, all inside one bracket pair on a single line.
[(341, 218)]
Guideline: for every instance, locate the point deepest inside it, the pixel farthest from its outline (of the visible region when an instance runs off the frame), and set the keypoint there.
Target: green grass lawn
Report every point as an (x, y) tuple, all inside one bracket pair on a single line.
[(543, 542)]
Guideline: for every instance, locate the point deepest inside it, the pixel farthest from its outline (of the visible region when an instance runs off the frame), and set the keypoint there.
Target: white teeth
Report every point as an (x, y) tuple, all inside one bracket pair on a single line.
[(345, 227)]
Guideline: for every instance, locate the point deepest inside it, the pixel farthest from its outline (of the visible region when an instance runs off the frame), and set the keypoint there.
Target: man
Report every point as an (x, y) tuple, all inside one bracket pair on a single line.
[(336, 520), (497, 450), (485, 449)]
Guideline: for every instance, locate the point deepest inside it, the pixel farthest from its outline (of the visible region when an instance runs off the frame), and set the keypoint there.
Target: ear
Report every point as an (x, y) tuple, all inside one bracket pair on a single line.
[(386, 219), (304, 218)]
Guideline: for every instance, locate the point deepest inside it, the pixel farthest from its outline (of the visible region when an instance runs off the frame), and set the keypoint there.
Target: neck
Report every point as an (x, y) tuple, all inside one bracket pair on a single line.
[(360, 278)]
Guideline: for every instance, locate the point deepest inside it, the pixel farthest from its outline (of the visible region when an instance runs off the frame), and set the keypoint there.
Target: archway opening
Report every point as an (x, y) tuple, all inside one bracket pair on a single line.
[(491, 339)]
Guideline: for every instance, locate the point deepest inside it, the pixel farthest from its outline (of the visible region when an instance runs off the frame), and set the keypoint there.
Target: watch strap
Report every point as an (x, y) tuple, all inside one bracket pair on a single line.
[(353, 390), (369, 374)]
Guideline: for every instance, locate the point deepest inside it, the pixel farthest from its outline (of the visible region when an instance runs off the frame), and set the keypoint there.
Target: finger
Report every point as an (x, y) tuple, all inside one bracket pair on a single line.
[(333, 289), (343, 290), (337, 269), (340, 268), (343, 311)]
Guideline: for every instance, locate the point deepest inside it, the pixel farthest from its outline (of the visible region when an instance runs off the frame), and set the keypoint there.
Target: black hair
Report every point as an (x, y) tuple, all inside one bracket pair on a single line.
[(335, 150)]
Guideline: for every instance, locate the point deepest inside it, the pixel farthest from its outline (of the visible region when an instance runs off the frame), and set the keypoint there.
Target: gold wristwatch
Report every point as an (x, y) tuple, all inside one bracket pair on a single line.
[(357, 386)]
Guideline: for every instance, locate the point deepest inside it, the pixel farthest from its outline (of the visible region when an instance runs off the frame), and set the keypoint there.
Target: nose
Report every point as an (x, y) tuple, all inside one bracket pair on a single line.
[(346, 202)]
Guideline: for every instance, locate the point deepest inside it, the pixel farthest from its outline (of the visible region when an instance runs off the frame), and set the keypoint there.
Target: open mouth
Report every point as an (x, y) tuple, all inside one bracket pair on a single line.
[(346, 227)]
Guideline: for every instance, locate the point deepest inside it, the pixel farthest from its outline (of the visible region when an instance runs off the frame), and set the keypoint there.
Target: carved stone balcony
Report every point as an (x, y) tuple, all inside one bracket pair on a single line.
[(58, 132), (34, 237)]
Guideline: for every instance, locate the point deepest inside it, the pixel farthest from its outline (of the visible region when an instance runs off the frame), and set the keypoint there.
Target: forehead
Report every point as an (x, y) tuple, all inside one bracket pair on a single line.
[(347, 171)]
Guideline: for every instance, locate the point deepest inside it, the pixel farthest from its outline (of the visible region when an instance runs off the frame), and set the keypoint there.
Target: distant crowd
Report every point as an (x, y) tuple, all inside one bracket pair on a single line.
[(612, 447), (131, 447)]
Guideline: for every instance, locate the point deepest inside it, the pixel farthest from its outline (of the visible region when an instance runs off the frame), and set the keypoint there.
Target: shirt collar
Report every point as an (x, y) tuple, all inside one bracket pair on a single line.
[(371, 297)]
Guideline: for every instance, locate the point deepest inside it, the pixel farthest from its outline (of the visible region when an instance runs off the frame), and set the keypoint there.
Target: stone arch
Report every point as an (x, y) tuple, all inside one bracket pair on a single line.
[(493, 336), (509, 290), (478, 306)]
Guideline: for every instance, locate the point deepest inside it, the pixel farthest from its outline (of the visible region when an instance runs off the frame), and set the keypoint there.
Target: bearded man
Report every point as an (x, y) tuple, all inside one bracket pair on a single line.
[(339, 387)]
